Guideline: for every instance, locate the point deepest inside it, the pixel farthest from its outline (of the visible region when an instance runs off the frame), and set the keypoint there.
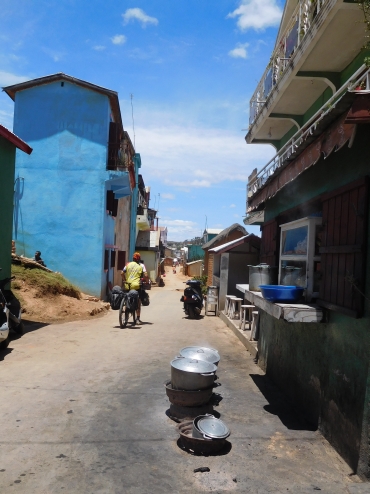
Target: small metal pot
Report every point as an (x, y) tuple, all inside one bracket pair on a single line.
[(263, 274), (192, 374), (290, 275), (208, 427), (201, 353)]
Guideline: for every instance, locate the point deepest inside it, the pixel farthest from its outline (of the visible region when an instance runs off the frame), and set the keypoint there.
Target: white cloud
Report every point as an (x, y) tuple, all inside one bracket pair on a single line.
[(168, 196), (8, 79), (55, 55), (138, 15), (232, 206), (119, 39), (196, 157), (256, 14), (99, 47), (181, 228), (240, 51)]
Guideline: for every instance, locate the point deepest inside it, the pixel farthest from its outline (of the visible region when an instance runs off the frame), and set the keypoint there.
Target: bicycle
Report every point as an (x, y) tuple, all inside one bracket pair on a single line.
[(128, 307)]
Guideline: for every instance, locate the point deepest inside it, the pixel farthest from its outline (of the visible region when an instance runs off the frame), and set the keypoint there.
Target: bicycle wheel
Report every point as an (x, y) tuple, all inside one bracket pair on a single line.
[(123, 313)]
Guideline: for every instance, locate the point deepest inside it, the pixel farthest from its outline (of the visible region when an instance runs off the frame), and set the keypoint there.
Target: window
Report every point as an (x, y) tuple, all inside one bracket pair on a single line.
[(121, 259), (111, 204), (299, 255)]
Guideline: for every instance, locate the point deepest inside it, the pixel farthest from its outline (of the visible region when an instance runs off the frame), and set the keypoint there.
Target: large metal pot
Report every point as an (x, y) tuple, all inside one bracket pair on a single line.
[(263, 274), (192, 374), (201, 353)]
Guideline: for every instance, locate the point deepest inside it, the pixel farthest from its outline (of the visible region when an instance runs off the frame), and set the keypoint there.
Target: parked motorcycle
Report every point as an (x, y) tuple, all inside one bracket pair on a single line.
[(192, 299), (10, 314)]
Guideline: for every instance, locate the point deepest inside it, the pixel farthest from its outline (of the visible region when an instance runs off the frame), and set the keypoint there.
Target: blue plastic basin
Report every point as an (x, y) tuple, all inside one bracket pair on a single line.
[(281, 293)]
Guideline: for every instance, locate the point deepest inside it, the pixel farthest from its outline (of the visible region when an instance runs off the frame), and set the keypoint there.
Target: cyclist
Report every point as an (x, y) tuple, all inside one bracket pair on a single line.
[(132, 274)]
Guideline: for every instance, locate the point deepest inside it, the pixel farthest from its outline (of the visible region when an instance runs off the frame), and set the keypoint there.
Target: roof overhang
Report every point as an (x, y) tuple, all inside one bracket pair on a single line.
[(251, 238), (120, 186), (9, 136)]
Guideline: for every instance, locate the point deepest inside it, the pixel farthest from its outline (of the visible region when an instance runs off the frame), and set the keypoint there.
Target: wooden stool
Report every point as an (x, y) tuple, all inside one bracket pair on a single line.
[(234, 309), (243, 316), (227, 304), (255, 317)]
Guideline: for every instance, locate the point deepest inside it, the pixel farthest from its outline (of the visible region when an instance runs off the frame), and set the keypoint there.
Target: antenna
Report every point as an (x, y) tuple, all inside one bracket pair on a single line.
[(132, 114), (159, 196), (206, 225)]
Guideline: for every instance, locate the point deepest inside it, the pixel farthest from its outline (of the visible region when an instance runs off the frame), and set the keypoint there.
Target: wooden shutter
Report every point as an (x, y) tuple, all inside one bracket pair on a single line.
[(343, 248), (112, 258), (110, 201), (121, 259), (106, 260), (113, 146), (269, 252)]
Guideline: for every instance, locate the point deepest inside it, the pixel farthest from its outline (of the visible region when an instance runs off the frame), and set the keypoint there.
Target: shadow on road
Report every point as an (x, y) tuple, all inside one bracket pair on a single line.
[(279, 405), (4, 353), (30, 326)]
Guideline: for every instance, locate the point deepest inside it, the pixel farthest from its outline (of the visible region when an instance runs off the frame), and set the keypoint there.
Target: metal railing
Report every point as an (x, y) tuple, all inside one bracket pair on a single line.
[(299, 24), (359, 81)]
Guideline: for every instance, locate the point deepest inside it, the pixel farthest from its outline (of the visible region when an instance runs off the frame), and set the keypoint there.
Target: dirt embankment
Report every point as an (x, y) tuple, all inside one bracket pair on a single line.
[(49, 298)]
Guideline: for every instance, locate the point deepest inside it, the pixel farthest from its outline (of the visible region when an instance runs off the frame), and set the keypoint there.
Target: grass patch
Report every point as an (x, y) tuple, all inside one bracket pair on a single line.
[(45, 283)]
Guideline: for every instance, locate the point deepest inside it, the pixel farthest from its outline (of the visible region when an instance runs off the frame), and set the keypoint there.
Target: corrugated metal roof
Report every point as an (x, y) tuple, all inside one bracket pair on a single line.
[(17, 141), (234, 243), (224, 233)]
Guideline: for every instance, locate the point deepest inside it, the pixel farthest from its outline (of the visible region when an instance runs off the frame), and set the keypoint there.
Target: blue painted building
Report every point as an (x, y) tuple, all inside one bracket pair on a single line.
[(70, 189)]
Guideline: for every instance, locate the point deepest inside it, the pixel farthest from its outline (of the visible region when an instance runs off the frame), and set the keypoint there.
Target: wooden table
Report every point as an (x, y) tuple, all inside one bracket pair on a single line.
[(289, 312)]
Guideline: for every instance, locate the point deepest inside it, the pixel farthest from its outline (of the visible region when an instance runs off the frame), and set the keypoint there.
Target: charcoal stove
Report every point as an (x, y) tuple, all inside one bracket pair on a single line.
[(196, 445), (184, 398)]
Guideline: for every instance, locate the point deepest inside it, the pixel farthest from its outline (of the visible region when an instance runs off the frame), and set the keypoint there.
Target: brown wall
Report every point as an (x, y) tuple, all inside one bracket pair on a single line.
[(208, 258), (122, 233)]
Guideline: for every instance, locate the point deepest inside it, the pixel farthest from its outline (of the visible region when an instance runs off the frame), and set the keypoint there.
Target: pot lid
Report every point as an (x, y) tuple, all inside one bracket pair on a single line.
[(212, 427), (261, 266), (201, 353), (193, 365)]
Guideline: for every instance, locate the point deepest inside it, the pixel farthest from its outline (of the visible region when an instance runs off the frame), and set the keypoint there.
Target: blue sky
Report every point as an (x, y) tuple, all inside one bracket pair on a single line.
[(191, 66)]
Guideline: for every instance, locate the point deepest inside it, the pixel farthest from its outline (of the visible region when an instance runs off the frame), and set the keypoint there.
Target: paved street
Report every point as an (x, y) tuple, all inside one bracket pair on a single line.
[(83, 410)]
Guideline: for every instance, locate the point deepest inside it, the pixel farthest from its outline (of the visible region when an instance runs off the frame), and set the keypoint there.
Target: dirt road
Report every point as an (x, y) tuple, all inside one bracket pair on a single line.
[(83, 410)]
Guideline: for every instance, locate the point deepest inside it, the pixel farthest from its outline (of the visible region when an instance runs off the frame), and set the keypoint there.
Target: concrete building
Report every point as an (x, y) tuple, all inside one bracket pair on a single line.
[(82, 165), (312, 201)]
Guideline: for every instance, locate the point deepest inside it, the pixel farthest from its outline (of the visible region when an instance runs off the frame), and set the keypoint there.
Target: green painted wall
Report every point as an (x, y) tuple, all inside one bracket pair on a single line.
[(7, 167), (324, 368), (353, 66)]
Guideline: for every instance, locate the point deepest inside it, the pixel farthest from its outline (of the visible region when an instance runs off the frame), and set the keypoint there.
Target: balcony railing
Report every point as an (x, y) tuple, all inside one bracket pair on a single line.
[(359, 82), (299, 24)]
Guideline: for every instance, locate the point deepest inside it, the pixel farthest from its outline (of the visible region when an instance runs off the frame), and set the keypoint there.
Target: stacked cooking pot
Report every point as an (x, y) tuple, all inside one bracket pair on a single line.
[(193, 375)]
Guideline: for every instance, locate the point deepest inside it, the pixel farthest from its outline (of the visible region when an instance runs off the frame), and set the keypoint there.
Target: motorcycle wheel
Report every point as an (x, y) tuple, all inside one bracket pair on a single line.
[(198, 311), (191, 312)]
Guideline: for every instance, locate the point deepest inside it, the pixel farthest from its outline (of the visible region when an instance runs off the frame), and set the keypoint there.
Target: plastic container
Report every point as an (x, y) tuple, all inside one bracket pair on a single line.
[(281, 293)]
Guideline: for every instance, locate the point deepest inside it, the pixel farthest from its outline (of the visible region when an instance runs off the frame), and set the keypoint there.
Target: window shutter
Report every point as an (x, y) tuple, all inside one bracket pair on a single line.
[(121, 261), (112, 258), (113, 146), (115, 207), (106, 260), (343, 248), (269, 252), (110, 201)]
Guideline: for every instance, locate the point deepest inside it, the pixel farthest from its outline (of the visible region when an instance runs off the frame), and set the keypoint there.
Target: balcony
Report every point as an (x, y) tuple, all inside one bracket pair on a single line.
[(358, 84), (315, 44)]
